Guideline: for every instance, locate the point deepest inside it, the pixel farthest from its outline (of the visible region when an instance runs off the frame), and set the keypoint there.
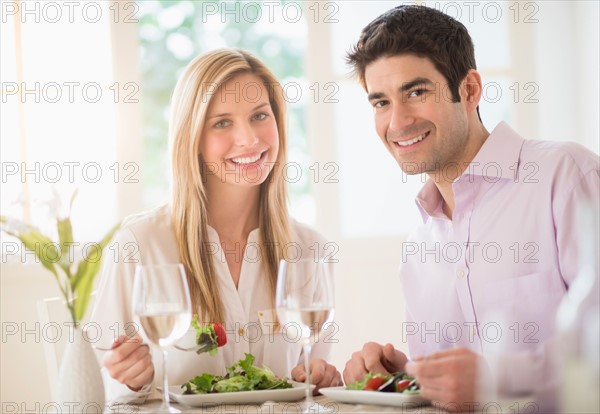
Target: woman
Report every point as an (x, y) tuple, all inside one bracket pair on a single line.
[(227, 131)]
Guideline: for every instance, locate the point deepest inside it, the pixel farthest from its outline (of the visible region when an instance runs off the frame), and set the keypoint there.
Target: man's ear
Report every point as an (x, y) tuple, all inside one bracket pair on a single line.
[(471, 90)]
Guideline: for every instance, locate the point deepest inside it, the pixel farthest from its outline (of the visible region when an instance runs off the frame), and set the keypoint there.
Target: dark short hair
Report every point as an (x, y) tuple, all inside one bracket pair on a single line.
[(421, 31)]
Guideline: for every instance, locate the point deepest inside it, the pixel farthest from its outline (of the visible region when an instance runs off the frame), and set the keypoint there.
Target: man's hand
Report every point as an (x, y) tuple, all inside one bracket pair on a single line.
[(451, 378), (374, 358), (130, 362), (322, 374)]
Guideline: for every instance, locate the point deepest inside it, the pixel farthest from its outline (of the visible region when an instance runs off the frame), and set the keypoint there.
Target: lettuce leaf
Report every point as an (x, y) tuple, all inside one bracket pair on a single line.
[(205, 337), (202, 384), (241, 376)]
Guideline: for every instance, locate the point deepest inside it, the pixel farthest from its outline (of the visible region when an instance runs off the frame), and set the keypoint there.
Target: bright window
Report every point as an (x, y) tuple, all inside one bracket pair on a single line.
[(58, 117)]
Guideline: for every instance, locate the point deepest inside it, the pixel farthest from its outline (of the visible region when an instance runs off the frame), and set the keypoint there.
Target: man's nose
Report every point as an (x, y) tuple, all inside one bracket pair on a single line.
[(401, 118)]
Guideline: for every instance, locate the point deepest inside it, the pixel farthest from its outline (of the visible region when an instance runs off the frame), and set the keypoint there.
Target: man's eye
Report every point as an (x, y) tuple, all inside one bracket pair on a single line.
[(416, 93), (380, 104)]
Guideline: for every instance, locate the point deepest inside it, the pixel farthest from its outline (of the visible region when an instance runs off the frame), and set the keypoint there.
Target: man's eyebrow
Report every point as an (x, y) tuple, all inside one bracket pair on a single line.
[(375, 95), (415, 82), (229, 114), (406, 86)]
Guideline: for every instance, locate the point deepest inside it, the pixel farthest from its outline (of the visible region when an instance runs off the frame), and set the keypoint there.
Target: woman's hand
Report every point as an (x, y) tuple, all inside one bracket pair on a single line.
[(130, 362), (322, 374)]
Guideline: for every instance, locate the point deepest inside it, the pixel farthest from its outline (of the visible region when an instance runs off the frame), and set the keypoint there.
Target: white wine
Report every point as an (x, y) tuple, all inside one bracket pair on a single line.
[(163, 329), (310, 320)]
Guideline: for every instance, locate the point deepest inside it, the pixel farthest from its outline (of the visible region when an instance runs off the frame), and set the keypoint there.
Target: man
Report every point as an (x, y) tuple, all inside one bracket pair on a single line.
[(484, 273)]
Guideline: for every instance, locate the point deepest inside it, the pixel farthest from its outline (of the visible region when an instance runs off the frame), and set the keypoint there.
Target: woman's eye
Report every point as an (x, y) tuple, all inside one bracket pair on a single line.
[(260, 116), (222, 124)]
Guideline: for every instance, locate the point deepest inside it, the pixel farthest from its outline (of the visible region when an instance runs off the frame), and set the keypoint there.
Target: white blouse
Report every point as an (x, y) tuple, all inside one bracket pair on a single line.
[(148, 238)]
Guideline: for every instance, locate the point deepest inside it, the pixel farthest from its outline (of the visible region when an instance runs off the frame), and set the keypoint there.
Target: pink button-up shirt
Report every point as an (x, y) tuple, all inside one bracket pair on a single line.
[(491, 278)]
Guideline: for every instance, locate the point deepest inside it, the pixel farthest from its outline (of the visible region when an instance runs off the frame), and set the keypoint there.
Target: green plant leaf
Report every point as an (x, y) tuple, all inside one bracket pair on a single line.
[(97, 250), (88, 268), (65, 238), (65, 233), (41, 245), (44, 248), (86, 273)]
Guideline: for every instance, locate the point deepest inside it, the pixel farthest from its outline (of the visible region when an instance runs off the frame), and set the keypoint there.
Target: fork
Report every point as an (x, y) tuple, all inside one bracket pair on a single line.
[(198, 348), (385, 386)]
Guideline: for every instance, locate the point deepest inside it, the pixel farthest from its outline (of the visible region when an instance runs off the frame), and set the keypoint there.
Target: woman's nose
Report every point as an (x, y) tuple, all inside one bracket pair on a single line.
[(245, 136)]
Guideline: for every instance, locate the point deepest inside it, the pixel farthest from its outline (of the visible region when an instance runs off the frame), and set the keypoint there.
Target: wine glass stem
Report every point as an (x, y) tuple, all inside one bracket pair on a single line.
[(165, 403), (307, 350)]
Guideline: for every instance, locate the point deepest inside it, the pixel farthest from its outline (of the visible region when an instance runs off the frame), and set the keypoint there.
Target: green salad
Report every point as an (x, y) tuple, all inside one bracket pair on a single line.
[(398, 382), (241, 376)]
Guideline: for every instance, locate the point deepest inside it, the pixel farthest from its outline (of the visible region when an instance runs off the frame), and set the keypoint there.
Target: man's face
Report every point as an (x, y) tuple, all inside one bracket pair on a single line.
[(414, 114)]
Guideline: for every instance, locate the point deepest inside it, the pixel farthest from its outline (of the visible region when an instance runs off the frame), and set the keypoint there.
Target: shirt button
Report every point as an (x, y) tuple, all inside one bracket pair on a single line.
[(460, 273), (241, 332)]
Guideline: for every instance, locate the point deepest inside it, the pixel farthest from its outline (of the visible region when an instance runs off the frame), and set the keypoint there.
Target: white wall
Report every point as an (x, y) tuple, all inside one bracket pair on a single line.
[(567, 70), (23, 378)]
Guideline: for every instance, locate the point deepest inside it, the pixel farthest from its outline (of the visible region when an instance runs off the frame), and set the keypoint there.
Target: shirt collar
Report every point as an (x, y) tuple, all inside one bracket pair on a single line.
[(429, 201), (497, 159), (213, 236)]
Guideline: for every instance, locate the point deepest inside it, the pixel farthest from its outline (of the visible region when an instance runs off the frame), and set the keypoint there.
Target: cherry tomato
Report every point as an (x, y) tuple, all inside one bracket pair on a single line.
[(374, 383), (402, 385), (220, 333)]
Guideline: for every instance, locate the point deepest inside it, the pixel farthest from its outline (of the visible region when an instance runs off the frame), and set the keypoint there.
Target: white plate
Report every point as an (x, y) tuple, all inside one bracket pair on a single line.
[(241, 397), (394, 399)]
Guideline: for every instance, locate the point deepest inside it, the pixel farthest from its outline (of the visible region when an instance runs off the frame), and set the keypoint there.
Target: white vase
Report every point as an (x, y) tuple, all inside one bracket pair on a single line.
[(80, 387)]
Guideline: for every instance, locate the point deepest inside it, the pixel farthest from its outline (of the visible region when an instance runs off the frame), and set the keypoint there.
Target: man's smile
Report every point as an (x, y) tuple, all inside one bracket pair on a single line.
[(408, 143)]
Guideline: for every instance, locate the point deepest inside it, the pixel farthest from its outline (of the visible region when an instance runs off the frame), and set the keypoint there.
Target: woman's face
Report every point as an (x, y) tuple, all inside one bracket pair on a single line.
[(240, 140)]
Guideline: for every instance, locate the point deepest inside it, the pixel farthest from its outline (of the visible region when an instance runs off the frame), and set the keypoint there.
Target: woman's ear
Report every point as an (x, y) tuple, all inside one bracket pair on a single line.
[(471, 90)]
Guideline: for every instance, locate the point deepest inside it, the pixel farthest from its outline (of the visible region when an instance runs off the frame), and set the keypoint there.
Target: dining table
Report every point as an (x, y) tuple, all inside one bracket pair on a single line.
[(513, 406)]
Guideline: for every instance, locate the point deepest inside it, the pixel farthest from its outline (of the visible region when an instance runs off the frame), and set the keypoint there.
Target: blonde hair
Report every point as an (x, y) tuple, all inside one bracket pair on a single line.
[(191, 99)]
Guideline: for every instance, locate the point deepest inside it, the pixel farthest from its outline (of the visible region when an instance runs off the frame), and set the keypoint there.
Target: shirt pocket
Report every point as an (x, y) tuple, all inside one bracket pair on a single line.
[(281, 350), (524, 306)]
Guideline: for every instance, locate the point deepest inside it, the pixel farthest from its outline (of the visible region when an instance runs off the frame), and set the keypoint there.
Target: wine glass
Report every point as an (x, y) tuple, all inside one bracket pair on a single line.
[(305, 303), (162, 311)]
